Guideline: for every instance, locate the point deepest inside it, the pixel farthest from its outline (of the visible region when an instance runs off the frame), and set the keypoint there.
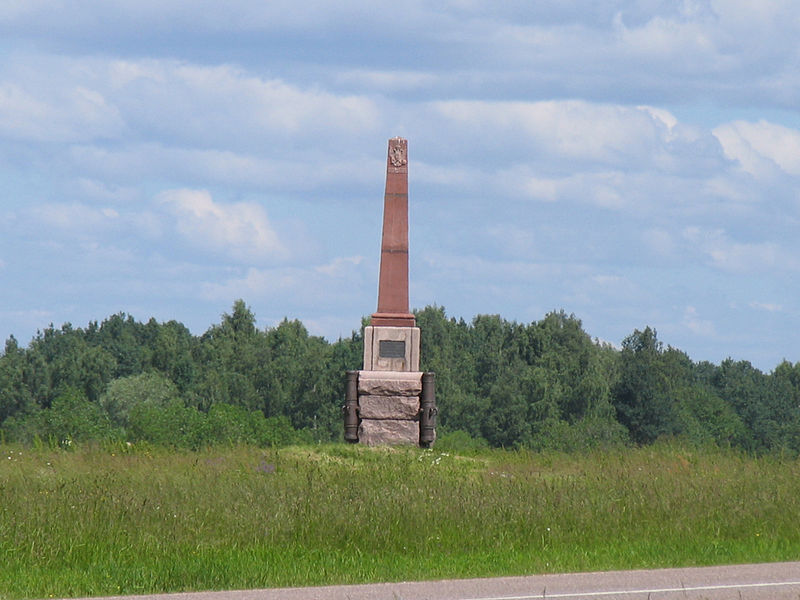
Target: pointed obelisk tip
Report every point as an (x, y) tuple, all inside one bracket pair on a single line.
[(393, 282)]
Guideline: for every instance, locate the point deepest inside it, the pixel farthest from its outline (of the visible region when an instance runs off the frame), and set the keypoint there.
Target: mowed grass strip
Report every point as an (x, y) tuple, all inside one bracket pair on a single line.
[(117, 521)]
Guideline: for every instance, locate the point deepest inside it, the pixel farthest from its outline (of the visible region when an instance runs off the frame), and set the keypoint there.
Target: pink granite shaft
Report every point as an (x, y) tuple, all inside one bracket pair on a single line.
[(393, 283)]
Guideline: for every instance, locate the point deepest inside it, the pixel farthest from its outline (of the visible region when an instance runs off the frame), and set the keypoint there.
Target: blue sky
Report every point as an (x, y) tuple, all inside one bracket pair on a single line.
[(636, 163)]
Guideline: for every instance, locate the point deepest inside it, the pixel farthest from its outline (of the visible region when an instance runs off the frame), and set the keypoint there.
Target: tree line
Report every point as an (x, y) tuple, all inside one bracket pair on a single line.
[(499, 383)]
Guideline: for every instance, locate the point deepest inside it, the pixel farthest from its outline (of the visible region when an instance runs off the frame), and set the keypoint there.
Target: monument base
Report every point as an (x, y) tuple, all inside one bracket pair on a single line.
[(388, 432), (391, 348), (389, 407)]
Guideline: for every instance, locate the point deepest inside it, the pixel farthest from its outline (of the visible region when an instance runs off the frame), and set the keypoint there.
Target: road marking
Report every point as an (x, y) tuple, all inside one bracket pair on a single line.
[(699, 588)]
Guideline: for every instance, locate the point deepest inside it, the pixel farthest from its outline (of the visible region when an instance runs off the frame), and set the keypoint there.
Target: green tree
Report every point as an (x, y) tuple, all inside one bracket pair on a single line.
[(232, 358), (15, 397), (71, 418), (172, 352), (642, 395), (124, 394)]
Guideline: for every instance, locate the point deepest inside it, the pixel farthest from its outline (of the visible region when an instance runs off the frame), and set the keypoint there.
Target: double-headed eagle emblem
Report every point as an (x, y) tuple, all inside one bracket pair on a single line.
[(397, 156)]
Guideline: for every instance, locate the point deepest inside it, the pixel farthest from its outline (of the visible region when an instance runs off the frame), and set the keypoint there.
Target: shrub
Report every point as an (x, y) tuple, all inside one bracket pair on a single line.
[(125, 393), (460, 441), (173, 425), (71, 418)]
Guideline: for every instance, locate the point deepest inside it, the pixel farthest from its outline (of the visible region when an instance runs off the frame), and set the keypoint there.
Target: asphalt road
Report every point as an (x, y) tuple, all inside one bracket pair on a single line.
[(773, 581)]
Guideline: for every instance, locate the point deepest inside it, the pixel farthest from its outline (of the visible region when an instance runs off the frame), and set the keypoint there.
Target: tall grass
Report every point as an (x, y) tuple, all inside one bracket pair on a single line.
[(107, 521)]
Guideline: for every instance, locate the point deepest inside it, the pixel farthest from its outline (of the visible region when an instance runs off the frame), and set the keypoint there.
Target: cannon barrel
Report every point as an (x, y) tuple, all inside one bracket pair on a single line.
[(427, 411)]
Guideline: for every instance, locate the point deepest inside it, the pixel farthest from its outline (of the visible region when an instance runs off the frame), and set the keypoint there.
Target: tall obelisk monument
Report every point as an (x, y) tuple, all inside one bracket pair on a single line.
[(391, 342), (393, 283), (390, 401)]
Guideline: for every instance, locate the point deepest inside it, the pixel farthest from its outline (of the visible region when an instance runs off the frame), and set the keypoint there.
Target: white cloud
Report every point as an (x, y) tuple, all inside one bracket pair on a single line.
[(240, 230), (767, 306), (387, 81), (514, 240), (240, 16), (697, 325), (468, 269), (67, 113), (541, 188), (667, 38), (340, 267), (760, 146), (447, 175), (101, 191), (63, 99), (214, 104), (257, 284), (660, 242), (739, 257), (662, 115), (612, 190), (132, 163), (338, 282), (75, 217), (614, 281), (554, 132)]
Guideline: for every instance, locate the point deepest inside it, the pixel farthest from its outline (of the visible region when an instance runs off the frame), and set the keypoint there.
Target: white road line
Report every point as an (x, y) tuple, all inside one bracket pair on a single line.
[(699, 588)]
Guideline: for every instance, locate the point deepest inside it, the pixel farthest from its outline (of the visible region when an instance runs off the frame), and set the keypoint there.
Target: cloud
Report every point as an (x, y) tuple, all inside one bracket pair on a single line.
[(678, 50), (240, 230), (668, 38), (75, 217), (340, 282), (660, 242), (569, 129), (340, 266), (771, 307), (739, 257), (100, 191), (605, 189), (760, 146), (132, 163), (67, 113), (224, 104), (63, 99), (569, 135), (697, 325), (388, 81)]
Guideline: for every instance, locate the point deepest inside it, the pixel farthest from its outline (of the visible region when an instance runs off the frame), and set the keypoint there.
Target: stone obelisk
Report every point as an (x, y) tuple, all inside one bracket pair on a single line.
[(393, 282), (390, 401), (391, 342)]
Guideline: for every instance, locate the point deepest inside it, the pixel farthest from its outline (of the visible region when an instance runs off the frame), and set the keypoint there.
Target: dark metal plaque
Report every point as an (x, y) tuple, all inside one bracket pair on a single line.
[(392, 349)]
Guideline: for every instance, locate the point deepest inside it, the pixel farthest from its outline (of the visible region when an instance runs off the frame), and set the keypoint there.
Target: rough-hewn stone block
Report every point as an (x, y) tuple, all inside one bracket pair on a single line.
[(388, 407), (376, 432), (389, 383)]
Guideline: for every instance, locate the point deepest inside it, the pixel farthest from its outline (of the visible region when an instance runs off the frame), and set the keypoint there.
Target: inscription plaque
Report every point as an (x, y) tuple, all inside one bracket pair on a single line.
[(392, 349)]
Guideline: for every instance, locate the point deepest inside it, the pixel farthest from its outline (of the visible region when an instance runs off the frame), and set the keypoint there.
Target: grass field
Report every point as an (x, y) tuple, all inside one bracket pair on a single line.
[(107, 521)]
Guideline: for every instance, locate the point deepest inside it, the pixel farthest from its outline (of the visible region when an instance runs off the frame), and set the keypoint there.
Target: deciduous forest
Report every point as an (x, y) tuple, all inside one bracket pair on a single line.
[(541, 385)]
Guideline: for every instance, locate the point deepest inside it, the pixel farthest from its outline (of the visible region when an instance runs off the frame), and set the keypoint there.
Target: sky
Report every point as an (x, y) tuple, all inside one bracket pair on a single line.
[(633, 162)]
